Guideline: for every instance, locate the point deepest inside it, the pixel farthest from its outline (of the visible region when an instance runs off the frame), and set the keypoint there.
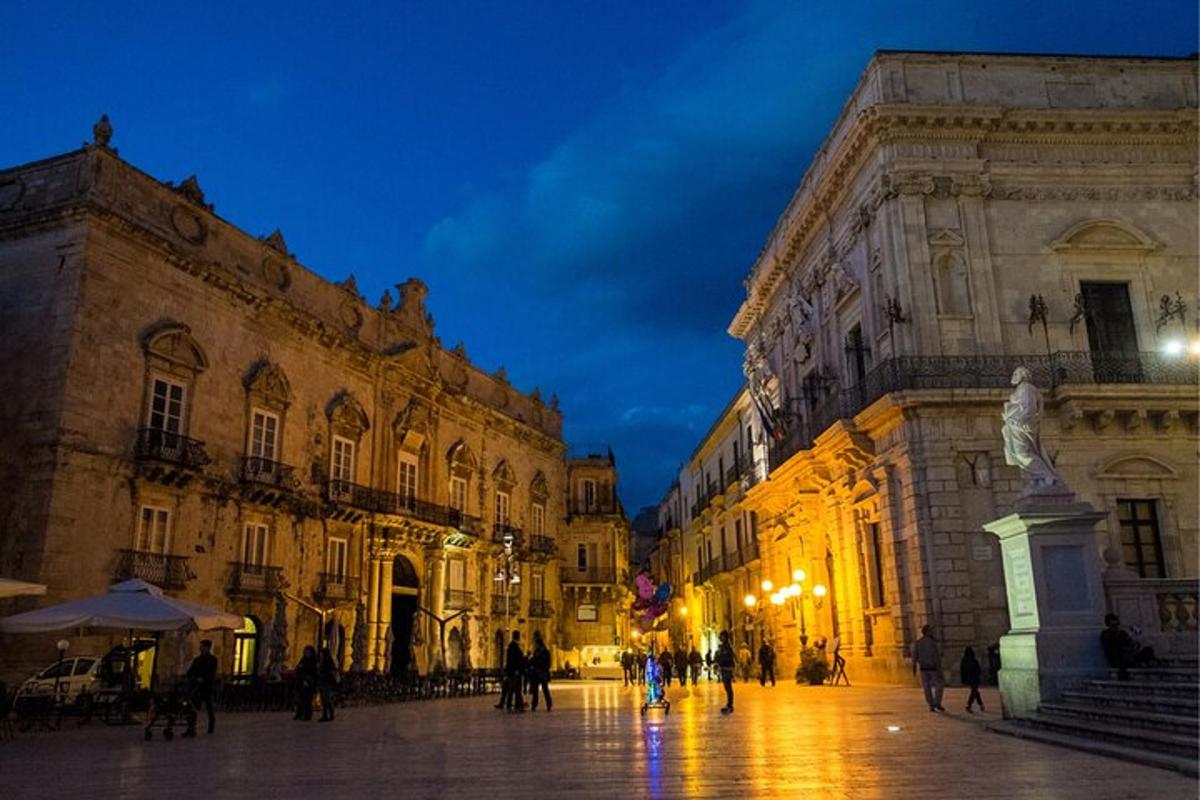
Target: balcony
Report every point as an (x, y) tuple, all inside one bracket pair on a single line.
[(254, 579), (500, 532), (914, 373), (267, 482), (513, 605), (542, 545), (349, 502), (165, 572), (540, 609), (459, 600), (579, 508), (333, 587), (592, 575), (169, 458)]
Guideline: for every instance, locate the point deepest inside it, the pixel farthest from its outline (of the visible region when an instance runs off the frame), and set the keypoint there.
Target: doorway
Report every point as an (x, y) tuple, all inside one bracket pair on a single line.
[(1112, 333), (404, 606)]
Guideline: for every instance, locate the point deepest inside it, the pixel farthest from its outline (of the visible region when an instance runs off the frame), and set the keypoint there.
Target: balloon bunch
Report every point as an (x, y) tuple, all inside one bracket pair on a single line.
[(651, 603)]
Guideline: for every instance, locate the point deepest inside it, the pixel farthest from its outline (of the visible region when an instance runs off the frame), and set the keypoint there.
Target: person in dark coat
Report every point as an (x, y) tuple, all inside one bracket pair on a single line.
[(639, 663), (327, 680), (726, 661), (539, 671), (766, 663), (1121, 649), (202, 675), (307, 672), (970, 672), (708, 663), (695, 662), (681, 666), (514, 670), (627, 667), (665, 662)]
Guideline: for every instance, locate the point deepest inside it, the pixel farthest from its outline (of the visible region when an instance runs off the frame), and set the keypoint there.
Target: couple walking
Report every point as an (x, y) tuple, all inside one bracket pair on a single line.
[(518, 668)]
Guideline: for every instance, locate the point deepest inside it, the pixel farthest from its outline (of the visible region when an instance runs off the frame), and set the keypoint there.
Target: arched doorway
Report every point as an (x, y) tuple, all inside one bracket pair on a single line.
[(454, 650), (245, 649), (335, 640), (404, 607)]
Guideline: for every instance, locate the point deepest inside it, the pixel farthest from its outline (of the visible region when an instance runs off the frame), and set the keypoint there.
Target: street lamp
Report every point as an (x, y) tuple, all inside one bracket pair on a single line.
[(63, 644), (509, 575)]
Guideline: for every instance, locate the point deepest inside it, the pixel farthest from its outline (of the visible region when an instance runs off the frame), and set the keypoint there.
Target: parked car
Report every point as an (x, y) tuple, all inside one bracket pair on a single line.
[(77, 675)]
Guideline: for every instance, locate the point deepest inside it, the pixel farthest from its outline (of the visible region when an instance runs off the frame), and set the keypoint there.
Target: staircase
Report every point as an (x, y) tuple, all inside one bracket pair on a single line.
[(1153, 718)]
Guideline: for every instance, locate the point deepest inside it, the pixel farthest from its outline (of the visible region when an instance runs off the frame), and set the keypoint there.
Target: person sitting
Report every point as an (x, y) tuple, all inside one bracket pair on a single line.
[(1121, 649)]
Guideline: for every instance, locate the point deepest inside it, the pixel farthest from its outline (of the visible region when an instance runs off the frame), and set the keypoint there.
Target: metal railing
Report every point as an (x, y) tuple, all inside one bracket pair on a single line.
[(459, 599), (513, 604), (173, 448), (384, 502), (254, 578), (540, 543), (502, 530), (268, 472), (332, 586), (591, 575), (540, 608), (910, 373), (166, 572), (579, 508)]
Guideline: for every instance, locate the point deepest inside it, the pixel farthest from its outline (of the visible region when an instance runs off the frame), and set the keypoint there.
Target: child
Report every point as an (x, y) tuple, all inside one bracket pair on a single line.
[(969, 671)]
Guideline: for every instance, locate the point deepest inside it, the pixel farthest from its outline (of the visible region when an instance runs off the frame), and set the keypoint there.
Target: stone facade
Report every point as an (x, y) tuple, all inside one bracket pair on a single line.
[(969, 213), (188, 404), (595, 570)]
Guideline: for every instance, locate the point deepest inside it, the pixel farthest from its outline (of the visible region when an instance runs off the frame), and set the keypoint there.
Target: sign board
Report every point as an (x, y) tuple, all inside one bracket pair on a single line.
[(586, 613), (982, 552)]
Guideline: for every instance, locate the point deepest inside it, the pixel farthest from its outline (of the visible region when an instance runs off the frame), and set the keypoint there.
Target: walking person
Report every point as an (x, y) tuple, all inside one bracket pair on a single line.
[(927, 657), (743, 658), (327, 681), (202, 676), (306, 679), (639, 662), (627, 667), (514, 669), (766, 663), (970, 672), (665, 661), (539, 671), (708, 663), (681, 666), (726, 661), (695, 662)]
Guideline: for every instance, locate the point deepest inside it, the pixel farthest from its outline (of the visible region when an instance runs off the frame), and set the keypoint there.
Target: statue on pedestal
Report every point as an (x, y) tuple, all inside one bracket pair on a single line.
[(1022, 442)]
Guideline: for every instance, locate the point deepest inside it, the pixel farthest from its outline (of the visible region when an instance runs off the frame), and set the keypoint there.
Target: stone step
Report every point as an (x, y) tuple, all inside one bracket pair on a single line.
[(1188, 725), (1186, 765), (1183, 745), (1162, 674), (1158, 688), (1154, 704)]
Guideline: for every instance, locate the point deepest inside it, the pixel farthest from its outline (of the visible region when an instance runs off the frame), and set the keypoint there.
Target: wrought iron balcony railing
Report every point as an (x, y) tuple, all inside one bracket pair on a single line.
[(383, 502), (166, 572), (269, 473), (540, 608), (333, 586), (510, 607), (501, 531), (172, 448), (909, 373), (254, 578), (539, 543), (591, 575), (350, 494), (459, 599)]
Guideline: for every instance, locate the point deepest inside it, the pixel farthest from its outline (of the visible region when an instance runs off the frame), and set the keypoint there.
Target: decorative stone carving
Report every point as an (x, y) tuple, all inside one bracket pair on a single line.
[(276, 273), (347, 416), (11, 192), (762, 383), (274, 240), (268, 385), (188, 225), (1022, 435), (412, 425), (385, 302), (172, 342), (102, 131), (351, 317), (350, 286)]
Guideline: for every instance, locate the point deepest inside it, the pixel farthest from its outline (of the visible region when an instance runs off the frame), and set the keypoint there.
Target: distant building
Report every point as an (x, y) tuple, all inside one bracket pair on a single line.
[(967, 213)]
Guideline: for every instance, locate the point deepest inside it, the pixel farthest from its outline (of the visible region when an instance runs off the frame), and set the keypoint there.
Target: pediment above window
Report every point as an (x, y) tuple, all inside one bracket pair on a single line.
[(504, 476), (347, 416), (172, 344), (538, 489), (1110, 235), (267, 385), (411, 426), (461, 459), (1139, 466)]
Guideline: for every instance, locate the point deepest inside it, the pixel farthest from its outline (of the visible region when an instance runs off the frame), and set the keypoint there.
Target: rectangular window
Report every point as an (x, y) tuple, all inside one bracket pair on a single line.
[(877, 593), (154, 530), (589, 495), (166, 406), (264, 434), (503, 499), (581, 556), (458, 493), (1141, 540), (537, 587), (254, 547), (737, 532), (737, 456), (336, 565), (457, 574), (406, 476), (342, 468), (538, 520)]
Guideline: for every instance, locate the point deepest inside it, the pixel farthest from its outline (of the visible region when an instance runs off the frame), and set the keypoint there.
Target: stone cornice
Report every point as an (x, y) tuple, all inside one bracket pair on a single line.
[(823, 188)]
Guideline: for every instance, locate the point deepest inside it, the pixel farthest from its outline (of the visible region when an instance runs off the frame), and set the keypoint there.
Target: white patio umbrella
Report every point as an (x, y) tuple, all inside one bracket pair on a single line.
[(130, 605), (11, 588)]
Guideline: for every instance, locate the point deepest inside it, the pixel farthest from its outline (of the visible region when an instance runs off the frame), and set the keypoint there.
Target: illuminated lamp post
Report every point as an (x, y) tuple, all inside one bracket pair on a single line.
[(508, 575)]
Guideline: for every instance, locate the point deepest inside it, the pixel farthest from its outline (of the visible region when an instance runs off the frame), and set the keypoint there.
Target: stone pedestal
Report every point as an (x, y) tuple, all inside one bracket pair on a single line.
[(1056, 602)]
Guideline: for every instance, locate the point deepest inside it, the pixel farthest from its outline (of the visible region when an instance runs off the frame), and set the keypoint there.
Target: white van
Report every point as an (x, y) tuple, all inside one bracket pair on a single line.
[(76, 675)]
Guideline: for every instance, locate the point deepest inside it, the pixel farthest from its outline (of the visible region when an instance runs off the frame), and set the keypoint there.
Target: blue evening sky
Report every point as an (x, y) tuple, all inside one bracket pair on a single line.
[(583, 185)]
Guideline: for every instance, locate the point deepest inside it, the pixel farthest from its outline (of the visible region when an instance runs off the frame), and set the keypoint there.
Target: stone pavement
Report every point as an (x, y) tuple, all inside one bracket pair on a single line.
[(786, 742)]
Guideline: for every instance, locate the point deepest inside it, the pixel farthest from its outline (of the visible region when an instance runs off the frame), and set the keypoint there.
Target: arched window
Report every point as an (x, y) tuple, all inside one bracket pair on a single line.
[(268, 396), (245, 649), (347, 423), (461, 465), (173, 361)]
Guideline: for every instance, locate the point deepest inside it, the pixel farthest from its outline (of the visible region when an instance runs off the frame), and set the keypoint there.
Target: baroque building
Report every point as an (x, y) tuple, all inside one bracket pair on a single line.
[(969, 213), (188, 404)]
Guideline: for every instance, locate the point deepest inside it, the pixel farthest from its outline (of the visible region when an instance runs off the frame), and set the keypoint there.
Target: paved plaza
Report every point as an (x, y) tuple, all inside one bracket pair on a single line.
[(786, 742)]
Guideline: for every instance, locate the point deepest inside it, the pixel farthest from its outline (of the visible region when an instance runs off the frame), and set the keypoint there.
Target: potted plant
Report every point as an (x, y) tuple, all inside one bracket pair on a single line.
[(813, 668)]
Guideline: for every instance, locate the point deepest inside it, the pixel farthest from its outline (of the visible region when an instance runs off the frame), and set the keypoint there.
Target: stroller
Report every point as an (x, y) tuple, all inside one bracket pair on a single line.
[(177, 705), (655, 697)]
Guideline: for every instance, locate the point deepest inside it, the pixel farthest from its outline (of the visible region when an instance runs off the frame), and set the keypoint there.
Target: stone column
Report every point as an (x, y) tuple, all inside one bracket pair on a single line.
[(1056, 602), (373, 660), (385, 608), (436, 603)]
